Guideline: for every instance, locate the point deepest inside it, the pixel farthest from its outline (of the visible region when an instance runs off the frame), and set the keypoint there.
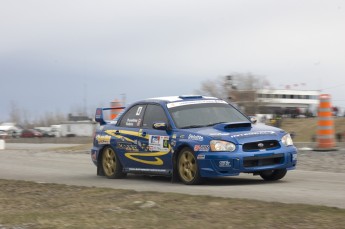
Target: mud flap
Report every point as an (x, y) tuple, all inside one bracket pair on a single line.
[(100, 171), (175, 177)]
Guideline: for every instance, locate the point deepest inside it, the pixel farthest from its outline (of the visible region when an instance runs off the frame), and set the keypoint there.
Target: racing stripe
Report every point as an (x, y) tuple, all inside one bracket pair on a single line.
[(157, 161)]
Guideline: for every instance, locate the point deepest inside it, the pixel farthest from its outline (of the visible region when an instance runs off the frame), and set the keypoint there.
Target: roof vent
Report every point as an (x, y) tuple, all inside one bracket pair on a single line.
[(190, 96)]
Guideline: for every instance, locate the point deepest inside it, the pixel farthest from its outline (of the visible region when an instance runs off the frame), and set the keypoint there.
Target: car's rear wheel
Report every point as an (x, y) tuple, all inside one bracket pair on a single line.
[(273, 175), (188, 168), (111, 165)]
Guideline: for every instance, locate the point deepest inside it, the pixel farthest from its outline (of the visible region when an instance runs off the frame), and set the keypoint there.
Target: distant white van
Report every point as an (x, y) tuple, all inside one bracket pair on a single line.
[(56, 130), (11, 129)]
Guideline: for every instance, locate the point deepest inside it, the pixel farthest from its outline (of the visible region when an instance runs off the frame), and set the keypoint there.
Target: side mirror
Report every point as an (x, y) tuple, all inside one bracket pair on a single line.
[(253, 119), (160, 126)]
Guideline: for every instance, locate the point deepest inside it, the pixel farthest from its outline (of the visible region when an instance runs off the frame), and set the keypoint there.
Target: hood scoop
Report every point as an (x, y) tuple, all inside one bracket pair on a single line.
[(233, 125)]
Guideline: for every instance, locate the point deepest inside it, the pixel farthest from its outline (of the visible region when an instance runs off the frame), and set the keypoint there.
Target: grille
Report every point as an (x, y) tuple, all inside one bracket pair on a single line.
[(254, 146), (263, 161)]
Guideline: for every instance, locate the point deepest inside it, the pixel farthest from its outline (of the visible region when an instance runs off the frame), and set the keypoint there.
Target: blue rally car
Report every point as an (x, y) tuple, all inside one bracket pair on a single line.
[(189, 138)]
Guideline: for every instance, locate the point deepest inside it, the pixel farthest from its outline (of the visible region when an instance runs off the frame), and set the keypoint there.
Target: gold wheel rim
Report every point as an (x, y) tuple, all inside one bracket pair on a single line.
[(187, 166), (109, 162)]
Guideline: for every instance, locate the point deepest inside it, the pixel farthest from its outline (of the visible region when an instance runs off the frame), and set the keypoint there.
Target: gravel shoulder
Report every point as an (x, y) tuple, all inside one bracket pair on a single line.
[(321, 161), (331, 161)]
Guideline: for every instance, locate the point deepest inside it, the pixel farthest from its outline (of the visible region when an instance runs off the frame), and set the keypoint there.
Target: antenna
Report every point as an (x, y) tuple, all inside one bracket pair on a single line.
[(84, 97), (123, 99)]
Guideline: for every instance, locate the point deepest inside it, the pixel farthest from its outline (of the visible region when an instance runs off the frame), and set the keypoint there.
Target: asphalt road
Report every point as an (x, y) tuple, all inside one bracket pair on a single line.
[(316, 188)]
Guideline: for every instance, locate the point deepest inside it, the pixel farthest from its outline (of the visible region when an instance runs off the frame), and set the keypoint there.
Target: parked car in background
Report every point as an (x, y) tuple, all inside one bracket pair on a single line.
[(12, 129), (3, 134), (30, 133), (46, 133)]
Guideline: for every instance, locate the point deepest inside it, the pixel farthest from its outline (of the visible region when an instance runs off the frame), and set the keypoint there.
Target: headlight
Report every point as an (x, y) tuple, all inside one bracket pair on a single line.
[(287, 140), (217, 145)]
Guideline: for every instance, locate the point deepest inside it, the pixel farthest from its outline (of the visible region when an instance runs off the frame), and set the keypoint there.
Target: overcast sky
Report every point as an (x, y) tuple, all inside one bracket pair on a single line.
[(56, 55)]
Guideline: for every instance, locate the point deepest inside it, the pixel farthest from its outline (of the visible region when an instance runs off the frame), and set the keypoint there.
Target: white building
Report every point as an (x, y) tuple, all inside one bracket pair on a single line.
[(302, 99), (272, 101)]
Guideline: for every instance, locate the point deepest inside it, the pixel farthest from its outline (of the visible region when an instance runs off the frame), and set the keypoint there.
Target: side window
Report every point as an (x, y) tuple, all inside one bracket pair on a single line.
[(133, 117), (154, 113)]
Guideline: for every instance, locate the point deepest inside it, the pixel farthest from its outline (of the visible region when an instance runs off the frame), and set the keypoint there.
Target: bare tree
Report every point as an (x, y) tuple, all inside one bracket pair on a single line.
[(238, 88), (216, 87), (15, 113)]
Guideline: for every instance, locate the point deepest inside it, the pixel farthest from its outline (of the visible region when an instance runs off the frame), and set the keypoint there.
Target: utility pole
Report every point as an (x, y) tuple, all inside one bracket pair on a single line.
[(230, 88), (123, 99)]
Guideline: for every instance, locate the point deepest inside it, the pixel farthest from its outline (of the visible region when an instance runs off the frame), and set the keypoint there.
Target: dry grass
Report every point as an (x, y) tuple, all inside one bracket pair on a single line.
[(305, 128), (32, 205), (77, 148)]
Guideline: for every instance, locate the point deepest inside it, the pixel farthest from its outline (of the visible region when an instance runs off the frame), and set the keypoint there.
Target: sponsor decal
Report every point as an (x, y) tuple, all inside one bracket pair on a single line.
[(178, 104), (131, 121), (224, 164), (166, 143), (159, 143), (155, 140), (201, 157), (253, 134), (219, 134), (147, 170), (181, 136), (127, 147), (294, 157), (173, 136), (173, 143), (103, 139), (139, 111), (201, 148), (195, 137)]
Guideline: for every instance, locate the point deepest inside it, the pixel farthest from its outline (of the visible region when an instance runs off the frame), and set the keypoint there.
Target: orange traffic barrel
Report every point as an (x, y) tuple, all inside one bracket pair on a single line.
[(325, 125), (115, 112)]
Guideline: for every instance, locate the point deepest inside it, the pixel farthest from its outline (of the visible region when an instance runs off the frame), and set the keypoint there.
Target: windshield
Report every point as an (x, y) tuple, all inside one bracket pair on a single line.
[(201, 115)]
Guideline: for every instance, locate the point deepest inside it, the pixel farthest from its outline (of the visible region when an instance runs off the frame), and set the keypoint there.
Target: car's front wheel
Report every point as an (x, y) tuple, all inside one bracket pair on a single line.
[(188, 168), (273, 175), (111, 165)]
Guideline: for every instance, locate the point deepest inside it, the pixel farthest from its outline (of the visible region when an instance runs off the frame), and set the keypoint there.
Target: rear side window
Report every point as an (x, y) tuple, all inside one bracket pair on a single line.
[(133, 117), (154, 113)]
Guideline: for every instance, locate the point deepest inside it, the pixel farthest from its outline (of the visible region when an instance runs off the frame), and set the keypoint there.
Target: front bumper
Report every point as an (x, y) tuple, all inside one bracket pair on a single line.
[(215, 164)]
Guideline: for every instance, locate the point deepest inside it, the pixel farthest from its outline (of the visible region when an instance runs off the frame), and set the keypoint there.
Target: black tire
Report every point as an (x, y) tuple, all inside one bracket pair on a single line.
[(273, 175), (111, 165), (187, 167)]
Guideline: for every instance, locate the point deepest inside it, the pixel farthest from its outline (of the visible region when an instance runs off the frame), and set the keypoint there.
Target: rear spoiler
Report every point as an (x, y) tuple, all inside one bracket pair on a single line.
[(99, 114)]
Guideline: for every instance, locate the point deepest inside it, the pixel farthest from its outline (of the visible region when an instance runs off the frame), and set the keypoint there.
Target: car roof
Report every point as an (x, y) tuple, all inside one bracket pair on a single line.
[(171, 99)]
